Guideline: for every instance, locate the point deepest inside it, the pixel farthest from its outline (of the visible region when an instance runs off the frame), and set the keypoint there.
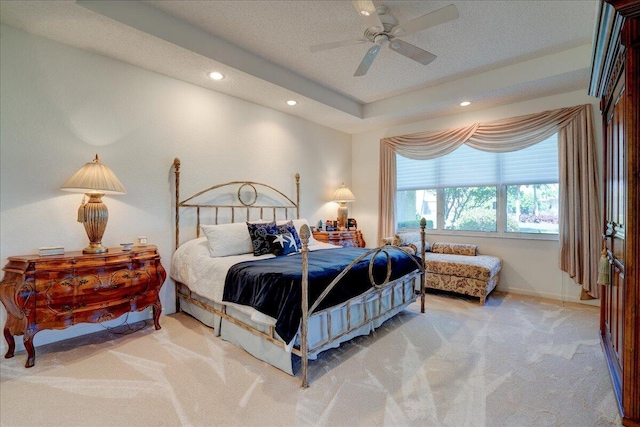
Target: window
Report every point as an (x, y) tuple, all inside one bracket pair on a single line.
[(470, 208), (415, 205), (475, 191), (532, 208)]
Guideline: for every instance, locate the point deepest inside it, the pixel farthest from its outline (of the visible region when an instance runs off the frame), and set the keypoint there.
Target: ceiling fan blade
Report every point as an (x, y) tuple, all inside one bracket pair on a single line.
[(440, 16), (333, 45), (367, 61), (412, 52), (367, 10)]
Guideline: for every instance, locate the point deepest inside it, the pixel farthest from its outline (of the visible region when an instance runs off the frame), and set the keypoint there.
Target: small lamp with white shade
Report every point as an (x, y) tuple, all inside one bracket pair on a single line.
[(95, 180), (343, 196)]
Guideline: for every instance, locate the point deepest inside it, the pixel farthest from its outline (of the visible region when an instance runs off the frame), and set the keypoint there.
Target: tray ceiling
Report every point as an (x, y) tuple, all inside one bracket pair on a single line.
[(496, 52)]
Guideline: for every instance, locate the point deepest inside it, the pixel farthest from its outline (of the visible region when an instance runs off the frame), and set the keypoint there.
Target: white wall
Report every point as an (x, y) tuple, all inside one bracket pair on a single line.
[(530, 266), (60, 106)]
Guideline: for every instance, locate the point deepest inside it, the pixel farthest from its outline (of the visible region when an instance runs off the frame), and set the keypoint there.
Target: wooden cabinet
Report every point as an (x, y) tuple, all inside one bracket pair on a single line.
[(351, 238), (616, 81), (55, 292)]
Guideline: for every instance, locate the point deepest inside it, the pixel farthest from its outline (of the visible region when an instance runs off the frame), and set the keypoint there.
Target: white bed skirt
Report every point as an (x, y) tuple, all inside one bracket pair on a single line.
[(395, 297)]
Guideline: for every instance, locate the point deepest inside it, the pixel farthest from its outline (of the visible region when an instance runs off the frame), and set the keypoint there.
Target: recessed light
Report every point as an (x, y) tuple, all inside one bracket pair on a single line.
[(365, 13), (465, 103), (216, 75), (292, 102)]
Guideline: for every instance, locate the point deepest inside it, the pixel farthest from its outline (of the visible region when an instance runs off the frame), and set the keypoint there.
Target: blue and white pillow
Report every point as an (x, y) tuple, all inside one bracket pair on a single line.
[(282, 243), (258, 232), (288, 227)]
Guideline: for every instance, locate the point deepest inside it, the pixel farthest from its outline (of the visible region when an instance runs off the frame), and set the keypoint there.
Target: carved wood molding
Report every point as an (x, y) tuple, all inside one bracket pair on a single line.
[(626, 8), (606, 49), (616, 72)]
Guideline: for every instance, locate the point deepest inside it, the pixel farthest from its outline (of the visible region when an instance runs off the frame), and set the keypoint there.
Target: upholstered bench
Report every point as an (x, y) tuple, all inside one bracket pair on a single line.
[(454, 267)]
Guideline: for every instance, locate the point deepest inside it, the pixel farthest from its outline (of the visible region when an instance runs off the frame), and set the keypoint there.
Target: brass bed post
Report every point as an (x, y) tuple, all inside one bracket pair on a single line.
[(305, 233), (176, 167), (423, 276), (297, 196)]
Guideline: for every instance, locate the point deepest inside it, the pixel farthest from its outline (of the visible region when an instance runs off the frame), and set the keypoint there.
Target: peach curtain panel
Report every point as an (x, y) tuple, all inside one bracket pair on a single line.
[(580, 237), (580, 215)]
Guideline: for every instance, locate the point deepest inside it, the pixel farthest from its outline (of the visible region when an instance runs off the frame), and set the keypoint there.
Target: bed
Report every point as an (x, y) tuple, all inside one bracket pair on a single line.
[(281, 308)]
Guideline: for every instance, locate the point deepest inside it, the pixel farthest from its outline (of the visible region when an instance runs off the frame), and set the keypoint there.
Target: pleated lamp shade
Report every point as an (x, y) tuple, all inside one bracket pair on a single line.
[(94, 177), (95, 180), (343, 194)]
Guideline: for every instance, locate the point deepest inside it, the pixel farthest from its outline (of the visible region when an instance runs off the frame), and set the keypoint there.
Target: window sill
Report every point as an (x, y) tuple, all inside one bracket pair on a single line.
[(489, 235)]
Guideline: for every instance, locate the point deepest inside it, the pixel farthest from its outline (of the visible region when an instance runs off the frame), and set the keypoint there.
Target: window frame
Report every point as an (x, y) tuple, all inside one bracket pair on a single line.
[(501, 220)]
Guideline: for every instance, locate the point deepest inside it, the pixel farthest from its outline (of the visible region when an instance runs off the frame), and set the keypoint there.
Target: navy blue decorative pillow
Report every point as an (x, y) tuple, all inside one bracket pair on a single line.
[(282, 244), (289, 228), (258, 233)]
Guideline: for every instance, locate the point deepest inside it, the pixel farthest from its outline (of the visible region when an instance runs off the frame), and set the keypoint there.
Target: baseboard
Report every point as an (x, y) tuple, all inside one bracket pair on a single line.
[(551, 295)]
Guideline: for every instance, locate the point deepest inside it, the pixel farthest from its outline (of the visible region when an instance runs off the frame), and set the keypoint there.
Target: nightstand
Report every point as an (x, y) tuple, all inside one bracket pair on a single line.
[(351, 238), (58, 291)]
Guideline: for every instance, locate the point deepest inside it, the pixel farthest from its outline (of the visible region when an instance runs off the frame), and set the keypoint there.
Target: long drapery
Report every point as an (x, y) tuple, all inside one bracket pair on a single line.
[(580, 222)]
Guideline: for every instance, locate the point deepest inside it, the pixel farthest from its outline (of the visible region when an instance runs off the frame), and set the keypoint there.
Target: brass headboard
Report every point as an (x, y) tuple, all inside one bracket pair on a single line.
[(237, 204)]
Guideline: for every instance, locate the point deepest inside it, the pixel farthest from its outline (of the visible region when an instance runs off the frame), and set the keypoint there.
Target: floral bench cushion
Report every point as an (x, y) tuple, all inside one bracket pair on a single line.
[(454, 249), (482, 267)]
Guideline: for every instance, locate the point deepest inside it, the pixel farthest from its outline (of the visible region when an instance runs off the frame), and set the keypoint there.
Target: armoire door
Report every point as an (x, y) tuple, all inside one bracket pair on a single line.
[(615, 79), (613, 295)]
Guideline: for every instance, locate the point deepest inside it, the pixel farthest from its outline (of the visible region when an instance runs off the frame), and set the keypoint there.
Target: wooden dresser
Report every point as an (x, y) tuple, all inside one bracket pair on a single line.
[(341, 238), (615, 80), (55, 292)]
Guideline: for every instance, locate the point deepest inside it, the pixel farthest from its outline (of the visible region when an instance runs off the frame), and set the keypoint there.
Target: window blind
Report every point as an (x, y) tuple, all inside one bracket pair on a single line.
[(467, 167)]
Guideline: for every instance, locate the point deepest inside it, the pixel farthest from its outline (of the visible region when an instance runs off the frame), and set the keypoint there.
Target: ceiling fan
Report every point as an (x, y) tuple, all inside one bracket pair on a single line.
[(383, 29)]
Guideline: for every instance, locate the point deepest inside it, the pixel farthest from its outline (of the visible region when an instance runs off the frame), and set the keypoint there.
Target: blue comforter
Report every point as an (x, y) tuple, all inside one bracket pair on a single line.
[(273, 286)]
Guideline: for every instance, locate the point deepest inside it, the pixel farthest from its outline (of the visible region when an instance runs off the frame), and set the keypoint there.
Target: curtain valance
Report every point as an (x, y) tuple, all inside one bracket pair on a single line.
[(499, 136)]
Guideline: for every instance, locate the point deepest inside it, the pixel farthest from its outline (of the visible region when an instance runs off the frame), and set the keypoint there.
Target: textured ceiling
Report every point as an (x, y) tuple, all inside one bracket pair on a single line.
[(263, 49)]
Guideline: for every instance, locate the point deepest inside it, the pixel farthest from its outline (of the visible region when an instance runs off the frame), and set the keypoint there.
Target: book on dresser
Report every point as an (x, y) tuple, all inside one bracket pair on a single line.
[(51, 250), (58, 291)]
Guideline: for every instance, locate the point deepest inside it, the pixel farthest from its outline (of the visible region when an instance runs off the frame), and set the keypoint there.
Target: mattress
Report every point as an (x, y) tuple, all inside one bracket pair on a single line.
[(193, 266)]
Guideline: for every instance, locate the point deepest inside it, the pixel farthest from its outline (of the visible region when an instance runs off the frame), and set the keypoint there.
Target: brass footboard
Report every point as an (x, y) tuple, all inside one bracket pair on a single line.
[(283, 208)]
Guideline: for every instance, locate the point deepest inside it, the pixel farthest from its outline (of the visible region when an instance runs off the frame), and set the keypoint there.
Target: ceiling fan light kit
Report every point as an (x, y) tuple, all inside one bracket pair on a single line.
[(381, 39), (383, 28)]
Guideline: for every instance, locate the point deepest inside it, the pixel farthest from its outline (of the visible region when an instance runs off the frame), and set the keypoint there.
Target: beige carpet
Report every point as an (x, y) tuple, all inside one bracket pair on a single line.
[(517, 361)]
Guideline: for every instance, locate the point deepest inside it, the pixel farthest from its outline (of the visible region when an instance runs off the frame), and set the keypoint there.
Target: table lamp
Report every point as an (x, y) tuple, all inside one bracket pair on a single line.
[(342, 196), (95, 180)]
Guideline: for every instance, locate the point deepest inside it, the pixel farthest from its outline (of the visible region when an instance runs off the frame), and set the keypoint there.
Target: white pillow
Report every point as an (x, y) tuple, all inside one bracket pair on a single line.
[(228, 239), (298, 223)]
